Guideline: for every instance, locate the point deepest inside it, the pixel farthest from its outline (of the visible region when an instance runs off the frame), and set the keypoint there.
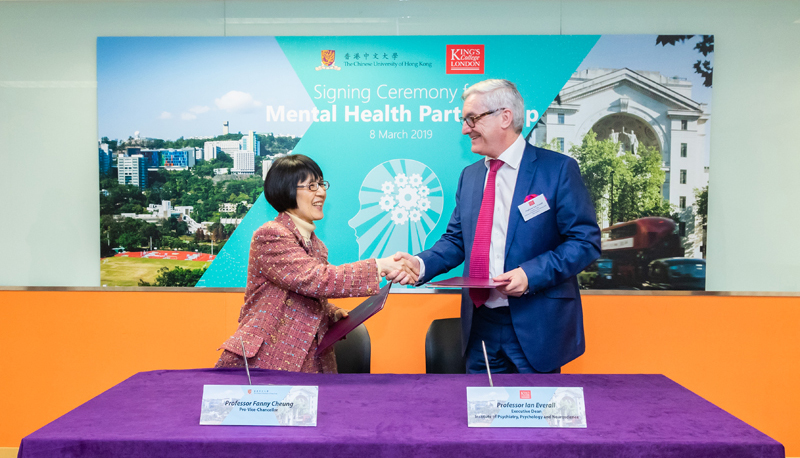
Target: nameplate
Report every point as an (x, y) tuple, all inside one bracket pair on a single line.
[(525, 407), (259, 405)]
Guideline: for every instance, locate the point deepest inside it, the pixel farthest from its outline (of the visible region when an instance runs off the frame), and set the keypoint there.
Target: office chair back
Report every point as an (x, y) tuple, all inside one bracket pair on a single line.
[(443, 348), (354, 352)]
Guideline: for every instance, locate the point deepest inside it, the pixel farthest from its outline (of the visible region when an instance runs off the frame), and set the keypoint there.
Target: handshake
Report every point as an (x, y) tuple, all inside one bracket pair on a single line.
[(401, 268)]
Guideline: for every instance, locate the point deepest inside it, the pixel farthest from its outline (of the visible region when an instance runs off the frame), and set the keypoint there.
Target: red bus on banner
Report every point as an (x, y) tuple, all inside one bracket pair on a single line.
[(628, 248)]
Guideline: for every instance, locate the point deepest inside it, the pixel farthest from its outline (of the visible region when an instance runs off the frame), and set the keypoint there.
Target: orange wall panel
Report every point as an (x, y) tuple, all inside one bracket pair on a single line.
[(738, 352)]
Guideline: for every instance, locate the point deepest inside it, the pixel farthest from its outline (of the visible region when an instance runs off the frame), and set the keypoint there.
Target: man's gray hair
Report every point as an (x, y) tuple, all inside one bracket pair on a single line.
[(499, 93)]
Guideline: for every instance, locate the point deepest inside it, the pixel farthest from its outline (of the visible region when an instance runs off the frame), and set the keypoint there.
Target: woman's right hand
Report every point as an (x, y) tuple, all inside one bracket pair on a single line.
[(388, 265)]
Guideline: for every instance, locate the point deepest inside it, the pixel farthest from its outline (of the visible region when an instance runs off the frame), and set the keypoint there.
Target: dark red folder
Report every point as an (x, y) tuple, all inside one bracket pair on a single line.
[(466, 282), (358, 315)]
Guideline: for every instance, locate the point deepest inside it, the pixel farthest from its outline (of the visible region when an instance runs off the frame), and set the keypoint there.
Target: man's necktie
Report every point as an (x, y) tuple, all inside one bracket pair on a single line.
[(479, 259)]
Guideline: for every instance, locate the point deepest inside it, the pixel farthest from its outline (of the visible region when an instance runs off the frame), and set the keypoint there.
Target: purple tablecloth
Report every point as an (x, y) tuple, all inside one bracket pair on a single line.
[(157, 414)]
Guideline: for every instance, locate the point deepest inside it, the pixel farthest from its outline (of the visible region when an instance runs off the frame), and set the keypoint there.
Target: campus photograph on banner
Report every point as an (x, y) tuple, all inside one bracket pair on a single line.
[(189, 126)]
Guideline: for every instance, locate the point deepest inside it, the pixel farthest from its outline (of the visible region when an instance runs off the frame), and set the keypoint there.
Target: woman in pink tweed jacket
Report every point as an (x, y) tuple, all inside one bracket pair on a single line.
[(286, 310)]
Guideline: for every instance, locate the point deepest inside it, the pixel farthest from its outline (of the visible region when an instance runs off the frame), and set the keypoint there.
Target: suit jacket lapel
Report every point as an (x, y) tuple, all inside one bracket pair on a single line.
[(527, 169)]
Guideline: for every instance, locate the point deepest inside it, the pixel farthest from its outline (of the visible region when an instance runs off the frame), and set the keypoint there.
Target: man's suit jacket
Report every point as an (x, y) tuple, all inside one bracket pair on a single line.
[(286, 301), (552, 248)]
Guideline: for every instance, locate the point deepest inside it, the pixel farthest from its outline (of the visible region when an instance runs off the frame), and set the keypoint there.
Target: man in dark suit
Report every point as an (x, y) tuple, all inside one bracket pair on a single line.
[(523, 216)]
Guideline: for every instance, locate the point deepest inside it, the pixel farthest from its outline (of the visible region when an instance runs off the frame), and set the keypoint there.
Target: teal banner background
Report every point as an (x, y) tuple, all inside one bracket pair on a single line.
[(359, 157)]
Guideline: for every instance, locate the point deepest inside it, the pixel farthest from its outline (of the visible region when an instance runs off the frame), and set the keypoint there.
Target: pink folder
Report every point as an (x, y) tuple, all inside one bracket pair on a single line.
[(337, 331), (466, 282)]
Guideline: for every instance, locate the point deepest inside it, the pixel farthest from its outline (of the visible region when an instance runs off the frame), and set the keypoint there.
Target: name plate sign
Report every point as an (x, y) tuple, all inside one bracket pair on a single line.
[(525, 407), (259, 405)]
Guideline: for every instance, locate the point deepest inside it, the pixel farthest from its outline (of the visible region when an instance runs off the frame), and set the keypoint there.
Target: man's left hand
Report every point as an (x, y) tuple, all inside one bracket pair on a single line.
[(517, 282)]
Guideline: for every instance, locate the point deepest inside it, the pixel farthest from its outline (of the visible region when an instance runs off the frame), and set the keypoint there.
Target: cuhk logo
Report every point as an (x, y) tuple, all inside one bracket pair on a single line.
[(524, 394), (465, 59), (328, 60)]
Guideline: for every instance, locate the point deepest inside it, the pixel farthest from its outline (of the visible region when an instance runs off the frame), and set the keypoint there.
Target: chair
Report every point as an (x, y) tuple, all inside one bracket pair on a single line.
[(443, 348), (354, 352)]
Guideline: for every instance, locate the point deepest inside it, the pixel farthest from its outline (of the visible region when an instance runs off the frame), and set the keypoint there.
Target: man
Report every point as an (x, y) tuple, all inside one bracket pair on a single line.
[(533, 227)]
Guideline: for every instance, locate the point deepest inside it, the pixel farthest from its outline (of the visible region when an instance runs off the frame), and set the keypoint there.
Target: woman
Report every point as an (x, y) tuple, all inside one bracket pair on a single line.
[(286, 310)]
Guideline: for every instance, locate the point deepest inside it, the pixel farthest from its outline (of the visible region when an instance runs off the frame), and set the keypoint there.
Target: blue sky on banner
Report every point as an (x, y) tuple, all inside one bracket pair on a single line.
[(171, 87), (640, 52)]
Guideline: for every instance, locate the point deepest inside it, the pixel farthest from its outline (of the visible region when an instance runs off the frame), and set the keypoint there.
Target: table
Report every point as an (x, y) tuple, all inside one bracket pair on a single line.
[(389, 415)]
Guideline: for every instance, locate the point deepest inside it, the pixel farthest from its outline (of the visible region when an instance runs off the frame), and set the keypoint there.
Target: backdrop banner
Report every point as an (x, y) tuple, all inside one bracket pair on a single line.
[(189, 127)]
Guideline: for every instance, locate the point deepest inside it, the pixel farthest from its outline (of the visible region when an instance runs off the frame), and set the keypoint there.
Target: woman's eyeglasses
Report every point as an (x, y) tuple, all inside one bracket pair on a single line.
[(316, 185)]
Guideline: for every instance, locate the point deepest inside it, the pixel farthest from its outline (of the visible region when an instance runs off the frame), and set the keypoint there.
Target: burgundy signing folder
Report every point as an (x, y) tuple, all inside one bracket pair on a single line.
[(466, 282), (358, 315)]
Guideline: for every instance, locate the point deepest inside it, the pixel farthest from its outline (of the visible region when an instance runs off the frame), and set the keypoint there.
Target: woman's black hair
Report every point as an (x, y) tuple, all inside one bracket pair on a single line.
[(280, 185)]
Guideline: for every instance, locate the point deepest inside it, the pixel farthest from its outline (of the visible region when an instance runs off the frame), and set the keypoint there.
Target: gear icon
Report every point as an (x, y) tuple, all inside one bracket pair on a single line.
[(401, 180), (423, 191), (424, 205), (387, 187), (399, 215), (414, 215), (387, 202), (407, 197), (415, 180)]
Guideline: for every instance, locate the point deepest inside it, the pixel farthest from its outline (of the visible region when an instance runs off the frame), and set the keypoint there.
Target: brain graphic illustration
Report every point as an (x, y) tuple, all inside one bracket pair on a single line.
[(401, 203), (408, 201)]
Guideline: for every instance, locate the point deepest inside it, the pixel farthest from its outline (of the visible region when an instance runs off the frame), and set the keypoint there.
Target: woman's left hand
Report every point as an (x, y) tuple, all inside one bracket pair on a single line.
[(339, 314)]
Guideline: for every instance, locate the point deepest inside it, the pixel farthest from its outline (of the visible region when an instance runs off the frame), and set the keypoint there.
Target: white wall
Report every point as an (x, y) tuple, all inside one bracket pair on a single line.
[(48, 92)]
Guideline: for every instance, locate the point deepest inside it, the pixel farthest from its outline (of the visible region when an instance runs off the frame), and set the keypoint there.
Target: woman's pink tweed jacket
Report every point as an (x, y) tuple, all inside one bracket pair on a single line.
[(286, 310)]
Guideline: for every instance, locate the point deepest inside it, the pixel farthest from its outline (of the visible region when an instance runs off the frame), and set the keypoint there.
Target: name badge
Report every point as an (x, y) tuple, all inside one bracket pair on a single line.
[(259, 405), (525, 407), (534, 207)]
